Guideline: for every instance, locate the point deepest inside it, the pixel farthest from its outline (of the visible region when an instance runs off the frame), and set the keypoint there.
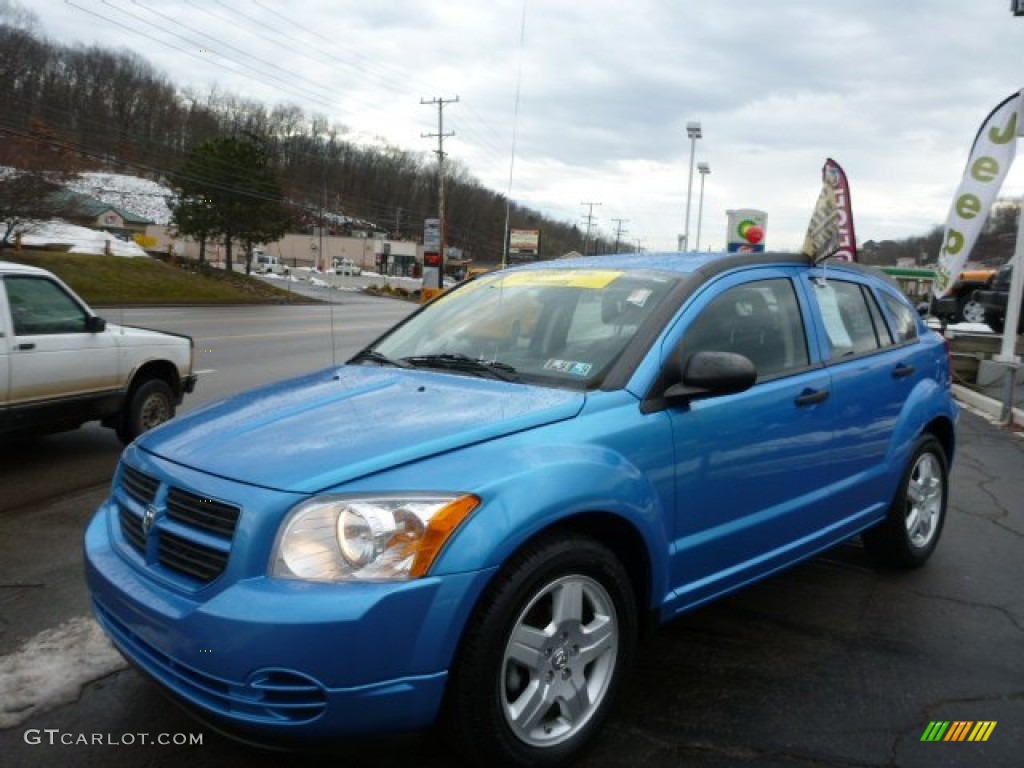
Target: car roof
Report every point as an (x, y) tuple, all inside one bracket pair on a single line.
[(681, 263), (13, 268)]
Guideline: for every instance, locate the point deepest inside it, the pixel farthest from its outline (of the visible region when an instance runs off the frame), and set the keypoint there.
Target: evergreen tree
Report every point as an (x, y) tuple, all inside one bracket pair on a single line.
[(225, 189)]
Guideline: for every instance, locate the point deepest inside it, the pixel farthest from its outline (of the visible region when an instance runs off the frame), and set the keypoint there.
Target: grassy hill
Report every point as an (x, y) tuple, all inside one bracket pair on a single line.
[(126, 281)]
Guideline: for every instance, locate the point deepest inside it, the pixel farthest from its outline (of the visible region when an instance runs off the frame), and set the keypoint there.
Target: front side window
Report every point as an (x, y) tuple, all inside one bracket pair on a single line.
[(759, 320), (564, 327), (39, 306)]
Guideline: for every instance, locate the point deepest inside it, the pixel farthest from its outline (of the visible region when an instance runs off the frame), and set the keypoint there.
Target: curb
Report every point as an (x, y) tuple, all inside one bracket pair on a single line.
[(985, 404)]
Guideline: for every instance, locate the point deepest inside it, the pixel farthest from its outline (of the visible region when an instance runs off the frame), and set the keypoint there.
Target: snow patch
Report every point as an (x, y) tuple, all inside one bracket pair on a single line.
[(51, 669), (80, 239)]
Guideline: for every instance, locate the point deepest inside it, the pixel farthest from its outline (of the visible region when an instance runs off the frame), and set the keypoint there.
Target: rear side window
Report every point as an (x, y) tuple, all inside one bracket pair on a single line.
[(904, 322), (853, 322)]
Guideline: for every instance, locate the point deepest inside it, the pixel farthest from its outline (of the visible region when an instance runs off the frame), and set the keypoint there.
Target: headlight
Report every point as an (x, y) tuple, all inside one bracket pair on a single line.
[(364, 538)]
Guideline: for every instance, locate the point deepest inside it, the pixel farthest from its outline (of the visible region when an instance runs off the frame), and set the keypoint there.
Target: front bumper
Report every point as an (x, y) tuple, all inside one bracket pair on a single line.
[(275, 660)]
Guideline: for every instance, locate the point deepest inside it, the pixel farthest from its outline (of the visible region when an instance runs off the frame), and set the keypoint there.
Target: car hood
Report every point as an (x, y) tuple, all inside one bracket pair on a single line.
[(318, 431), (128, 335)]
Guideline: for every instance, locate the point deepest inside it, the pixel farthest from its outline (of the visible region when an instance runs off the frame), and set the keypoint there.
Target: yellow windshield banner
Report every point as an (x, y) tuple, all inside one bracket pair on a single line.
[(568, 278)]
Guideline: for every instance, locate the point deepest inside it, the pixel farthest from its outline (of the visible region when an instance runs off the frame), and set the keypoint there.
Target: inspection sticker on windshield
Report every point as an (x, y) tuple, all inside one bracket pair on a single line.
[(568, 366)]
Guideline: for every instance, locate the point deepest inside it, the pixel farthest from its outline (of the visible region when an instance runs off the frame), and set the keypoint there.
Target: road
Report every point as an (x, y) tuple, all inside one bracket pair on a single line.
[(834, 663)]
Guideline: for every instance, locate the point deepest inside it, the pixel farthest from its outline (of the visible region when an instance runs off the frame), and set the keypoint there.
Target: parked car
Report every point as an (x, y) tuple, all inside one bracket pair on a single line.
[(346, 267), (994, 300), (264, 263), (61, 365), (471, 521)]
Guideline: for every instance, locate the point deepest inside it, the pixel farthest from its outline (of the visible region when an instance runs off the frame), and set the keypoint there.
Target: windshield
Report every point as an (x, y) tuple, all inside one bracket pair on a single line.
[(563, 327)]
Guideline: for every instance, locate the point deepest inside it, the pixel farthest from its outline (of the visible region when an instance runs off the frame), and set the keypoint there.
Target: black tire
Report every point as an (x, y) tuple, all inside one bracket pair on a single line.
[(910, 532), (971, 311), (149, 405), (995, 322), (539, 702)]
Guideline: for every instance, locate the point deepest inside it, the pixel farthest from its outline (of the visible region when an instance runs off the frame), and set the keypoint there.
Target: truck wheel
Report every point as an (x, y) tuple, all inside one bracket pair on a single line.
[(149, 405), (908, 535), (544, 655), (972, 312)]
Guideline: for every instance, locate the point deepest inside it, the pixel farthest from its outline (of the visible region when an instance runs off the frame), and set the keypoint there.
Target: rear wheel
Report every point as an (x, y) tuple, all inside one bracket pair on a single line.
[(150, 404), (911, 531), (544, 655), (972, 312)]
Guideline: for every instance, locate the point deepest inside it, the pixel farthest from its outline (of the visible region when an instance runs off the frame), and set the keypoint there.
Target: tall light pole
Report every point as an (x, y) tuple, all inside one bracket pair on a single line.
[(703, 169), (693, 133)]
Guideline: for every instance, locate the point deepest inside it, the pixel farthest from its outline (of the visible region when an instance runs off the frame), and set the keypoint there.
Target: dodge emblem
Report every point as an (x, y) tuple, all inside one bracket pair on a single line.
[(148, 519)]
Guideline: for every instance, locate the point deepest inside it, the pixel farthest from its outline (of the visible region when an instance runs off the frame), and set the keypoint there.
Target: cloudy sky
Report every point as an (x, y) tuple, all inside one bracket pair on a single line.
[(562, 103)]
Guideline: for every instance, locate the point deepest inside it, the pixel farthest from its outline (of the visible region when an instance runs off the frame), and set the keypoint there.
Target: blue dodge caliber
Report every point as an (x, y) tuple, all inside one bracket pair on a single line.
[(471, 520)]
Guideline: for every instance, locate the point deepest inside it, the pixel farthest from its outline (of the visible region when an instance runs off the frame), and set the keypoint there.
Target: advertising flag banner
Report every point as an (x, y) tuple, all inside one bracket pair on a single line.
[(991, 156), (830, 233)]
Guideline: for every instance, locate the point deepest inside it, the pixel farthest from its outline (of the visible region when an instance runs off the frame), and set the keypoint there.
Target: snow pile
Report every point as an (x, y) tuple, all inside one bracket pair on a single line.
[(129, 193), (51, 669), (80, 239)]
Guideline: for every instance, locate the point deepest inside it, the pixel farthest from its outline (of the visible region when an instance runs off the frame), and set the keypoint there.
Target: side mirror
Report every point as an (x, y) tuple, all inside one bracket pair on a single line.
[(709, 373), (95, 324)]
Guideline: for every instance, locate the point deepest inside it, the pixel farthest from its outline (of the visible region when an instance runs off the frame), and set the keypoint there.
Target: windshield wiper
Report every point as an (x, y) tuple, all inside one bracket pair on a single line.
[(376, 357), (454, 361)]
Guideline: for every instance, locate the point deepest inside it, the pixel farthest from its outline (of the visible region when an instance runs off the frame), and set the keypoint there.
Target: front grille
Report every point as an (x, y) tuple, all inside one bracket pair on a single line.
[(193, 532), (201, 512), (140, 487), (197, 560)]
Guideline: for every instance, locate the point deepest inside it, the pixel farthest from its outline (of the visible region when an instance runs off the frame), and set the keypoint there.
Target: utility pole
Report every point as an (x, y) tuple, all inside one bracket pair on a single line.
[(590, 219), (618, 232), (441, 136)]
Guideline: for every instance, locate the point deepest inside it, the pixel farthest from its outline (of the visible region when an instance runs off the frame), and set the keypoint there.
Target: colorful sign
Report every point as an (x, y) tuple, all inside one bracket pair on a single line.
[(746, 230), (524, 242)]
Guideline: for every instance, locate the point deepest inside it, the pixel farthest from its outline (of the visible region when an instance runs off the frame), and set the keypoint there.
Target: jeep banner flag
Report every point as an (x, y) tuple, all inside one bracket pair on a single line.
[(830, 233), (991, 156)]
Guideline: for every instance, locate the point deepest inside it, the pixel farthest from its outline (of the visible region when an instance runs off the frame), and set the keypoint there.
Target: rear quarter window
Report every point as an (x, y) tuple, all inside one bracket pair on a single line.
[(904, 320)]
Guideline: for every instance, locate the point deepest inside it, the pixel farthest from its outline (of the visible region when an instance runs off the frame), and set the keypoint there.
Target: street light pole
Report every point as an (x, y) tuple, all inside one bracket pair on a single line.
[(693, 133), (704, 169)]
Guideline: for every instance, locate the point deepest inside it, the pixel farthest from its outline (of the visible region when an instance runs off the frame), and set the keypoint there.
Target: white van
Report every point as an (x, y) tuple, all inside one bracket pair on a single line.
[(264, 263)]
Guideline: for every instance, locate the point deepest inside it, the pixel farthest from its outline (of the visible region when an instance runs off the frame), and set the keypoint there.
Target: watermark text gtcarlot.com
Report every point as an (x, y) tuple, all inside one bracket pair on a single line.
[(56, 737)]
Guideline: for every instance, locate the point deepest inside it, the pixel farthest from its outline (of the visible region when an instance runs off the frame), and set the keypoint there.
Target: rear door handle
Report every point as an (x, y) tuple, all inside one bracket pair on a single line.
[(903, 370), (812, 397)]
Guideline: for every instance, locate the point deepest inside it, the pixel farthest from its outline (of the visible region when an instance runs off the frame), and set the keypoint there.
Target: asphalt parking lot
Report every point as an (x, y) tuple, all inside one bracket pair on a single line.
[(834, 663)]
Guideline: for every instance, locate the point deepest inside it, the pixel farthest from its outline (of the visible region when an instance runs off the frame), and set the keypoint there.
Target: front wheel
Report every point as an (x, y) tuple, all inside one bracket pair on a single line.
[(909, 534), (149, 405), (543, 656)]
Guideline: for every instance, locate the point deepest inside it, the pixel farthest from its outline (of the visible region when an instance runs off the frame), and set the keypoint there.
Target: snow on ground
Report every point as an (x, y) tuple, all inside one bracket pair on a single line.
[(129, 193), (80, 239), (51, 668)]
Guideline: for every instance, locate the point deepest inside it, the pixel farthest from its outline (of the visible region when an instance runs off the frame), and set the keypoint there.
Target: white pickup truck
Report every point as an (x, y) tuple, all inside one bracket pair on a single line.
[(61, 365)]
